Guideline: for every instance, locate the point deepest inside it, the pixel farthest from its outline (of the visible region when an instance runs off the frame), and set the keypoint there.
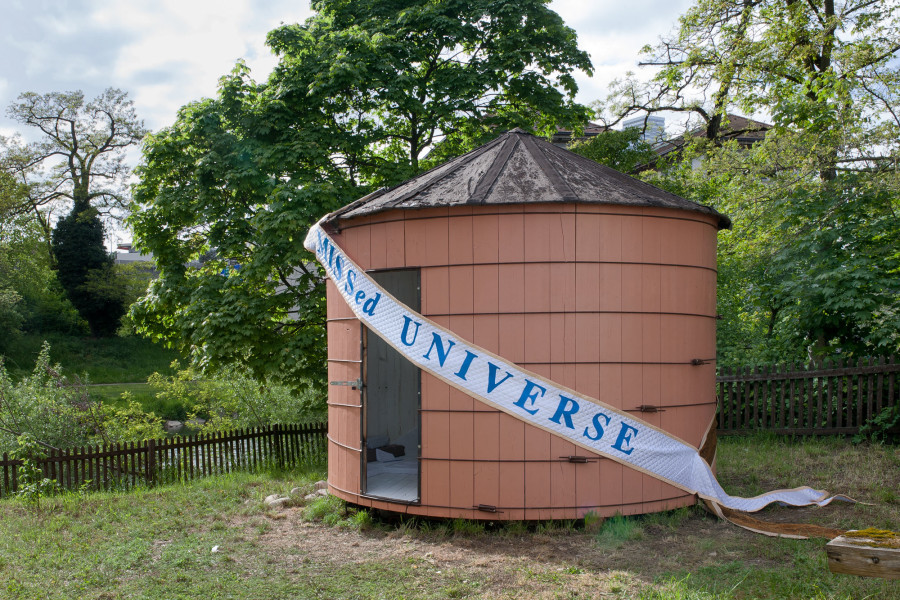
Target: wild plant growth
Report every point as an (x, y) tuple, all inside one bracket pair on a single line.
[(59, 412), (231, 398)]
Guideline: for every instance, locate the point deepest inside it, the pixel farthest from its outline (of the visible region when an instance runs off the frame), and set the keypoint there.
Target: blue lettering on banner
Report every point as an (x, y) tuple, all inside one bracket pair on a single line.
[(467, 362), (566, 408), (341, 270), (351, 280), (626, 434), (530, 393), (492, 377), (598, 428), (438, 344), (406, 322), (369, 306)]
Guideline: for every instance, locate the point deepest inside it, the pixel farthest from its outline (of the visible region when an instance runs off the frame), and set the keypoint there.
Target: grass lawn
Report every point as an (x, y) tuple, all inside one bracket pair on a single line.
[(159, 543), (102, 360)]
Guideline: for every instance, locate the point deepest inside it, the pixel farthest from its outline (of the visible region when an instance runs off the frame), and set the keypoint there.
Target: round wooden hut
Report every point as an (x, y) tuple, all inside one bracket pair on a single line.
[(572, 270)]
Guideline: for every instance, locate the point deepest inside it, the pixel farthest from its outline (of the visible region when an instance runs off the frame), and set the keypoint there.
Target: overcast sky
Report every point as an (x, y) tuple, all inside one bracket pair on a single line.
[(166, 53)]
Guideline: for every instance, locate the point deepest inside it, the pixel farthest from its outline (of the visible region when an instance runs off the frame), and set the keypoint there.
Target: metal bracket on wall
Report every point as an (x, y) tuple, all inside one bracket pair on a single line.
[(579, 459), (356, 384)]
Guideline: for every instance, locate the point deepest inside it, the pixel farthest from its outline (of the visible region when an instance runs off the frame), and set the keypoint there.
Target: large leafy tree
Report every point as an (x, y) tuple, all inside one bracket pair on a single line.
[(822, 67), (83, 262), (809, 266), (78, 162), (30, 296), (11, 317), (366, 93)]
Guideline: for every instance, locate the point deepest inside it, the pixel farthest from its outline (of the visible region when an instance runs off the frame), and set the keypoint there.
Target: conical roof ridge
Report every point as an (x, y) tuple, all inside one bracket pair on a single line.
[(519, 168)]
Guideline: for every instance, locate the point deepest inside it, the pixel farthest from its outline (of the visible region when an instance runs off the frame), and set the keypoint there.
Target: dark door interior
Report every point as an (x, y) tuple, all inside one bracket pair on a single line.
[(391, 432)]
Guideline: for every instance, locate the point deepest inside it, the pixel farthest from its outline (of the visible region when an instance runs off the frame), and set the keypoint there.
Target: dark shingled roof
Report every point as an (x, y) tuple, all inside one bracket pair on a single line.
[(735, 127), (518, 168)]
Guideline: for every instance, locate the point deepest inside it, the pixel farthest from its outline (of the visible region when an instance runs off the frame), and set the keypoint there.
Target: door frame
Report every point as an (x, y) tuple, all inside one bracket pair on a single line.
[(364, 401)]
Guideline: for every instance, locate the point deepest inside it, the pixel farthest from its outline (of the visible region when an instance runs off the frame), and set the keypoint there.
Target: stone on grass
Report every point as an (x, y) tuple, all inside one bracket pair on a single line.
[(281, 503), (312, 496), (321, 485), (322, 492), (277, 501), (296, 491)]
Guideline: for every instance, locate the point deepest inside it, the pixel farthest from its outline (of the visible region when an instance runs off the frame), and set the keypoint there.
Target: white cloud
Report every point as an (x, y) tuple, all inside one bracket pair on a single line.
[(178, 50), (613, 33), (167, 53)]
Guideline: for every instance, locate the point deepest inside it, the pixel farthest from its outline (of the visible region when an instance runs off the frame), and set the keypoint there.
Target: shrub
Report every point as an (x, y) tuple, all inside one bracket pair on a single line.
[(32, 484), (231, 399), (60, 412), (882, 427), (10, 315)]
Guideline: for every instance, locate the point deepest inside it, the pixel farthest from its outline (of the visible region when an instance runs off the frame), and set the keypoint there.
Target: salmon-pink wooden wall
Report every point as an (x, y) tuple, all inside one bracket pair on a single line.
[(612, 301)]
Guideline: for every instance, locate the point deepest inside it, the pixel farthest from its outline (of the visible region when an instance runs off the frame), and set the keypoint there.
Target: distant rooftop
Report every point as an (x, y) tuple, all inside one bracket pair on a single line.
[(563, 137), (735, 127), (519, 168)]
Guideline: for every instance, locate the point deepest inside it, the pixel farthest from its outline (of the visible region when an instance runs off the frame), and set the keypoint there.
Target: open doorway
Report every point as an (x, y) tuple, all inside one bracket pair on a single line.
[(391, 402)]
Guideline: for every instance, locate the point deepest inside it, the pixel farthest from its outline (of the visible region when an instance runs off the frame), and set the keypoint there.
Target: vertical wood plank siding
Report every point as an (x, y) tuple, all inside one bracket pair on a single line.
[(124, 466), (817, 399)]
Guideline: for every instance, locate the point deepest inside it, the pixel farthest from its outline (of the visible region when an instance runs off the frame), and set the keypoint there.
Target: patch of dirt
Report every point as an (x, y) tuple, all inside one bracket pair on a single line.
[(532, 564), (504, 559)]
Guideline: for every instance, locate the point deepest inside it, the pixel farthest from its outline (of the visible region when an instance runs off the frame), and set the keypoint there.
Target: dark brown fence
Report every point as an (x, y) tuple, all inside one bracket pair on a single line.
[(123, 466), (824, 398)]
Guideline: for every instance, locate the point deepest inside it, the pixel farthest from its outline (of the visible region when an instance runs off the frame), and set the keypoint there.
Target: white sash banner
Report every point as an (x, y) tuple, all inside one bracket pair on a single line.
[(584, 421)]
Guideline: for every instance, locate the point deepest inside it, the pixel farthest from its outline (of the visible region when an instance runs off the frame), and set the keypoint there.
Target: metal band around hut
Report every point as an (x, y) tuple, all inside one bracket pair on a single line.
[(586, 422)]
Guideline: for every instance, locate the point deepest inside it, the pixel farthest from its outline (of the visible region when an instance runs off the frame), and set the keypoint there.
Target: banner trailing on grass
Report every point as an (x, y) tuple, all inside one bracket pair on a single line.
[(532, 398)]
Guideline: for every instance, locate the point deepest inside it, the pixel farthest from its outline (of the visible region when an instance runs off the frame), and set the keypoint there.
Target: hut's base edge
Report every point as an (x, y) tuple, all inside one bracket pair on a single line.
[(504, 513)]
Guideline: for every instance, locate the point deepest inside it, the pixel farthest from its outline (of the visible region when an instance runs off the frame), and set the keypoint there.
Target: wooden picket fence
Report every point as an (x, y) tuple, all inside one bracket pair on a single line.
[(124, 466), (826, 398)]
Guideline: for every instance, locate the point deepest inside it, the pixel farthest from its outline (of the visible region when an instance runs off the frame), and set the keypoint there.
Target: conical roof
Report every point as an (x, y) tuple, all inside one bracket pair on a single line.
[(519, 168)]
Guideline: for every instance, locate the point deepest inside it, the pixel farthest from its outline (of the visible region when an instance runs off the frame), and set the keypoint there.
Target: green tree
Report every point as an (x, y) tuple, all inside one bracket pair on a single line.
[(78, 162), (822, 67), (810, 266), (366, 94), (10, 312), (30, 297), (85, 271), (623, 151), (80, 158)]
